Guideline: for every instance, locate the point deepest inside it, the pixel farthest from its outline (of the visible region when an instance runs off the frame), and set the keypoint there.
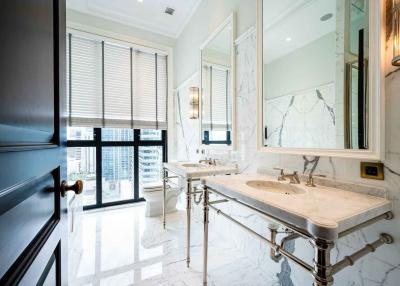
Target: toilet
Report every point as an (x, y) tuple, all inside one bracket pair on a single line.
[(153, 194)]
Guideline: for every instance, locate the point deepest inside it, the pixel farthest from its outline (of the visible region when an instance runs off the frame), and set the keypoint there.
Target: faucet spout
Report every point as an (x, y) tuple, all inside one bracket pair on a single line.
[(294, 178)]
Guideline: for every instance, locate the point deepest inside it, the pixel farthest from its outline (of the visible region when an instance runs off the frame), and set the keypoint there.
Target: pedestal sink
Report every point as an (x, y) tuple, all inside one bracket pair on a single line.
[(275, 187)]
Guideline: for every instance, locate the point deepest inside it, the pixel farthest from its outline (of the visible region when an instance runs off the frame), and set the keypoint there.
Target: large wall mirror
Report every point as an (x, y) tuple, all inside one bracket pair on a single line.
[(320, 64), (217, 87)]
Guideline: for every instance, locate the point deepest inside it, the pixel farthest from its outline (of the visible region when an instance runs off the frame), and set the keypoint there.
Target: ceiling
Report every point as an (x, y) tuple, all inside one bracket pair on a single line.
[(292, 24), (146, 14)]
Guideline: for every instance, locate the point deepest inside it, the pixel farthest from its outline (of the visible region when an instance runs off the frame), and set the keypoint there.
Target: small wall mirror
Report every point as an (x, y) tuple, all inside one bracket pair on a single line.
[(320, 74), (217, 87)]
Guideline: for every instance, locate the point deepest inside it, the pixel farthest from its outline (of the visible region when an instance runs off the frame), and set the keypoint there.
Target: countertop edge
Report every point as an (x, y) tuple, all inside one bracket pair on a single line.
[(304, 223)]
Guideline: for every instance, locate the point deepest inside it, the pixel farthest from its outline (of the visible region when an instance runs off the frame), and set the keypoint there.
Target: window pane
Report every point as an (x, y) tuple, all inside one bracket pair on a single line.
[(150, 165), (118, 174), (150, 134), (81, 165), (116, 134), (218, 135), (80, 133)]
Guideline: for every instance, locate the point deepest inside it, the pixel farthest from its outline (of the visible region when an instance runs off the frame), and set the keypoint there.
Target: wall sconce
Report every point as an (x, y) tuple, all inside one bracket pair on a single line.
[(194, 102), (396, 33)]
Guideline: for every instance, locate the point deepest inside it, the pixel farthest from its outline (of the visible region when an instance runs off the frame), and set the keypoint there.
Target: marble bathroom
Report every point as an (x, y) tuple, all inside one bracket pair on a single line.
[(295, 106)]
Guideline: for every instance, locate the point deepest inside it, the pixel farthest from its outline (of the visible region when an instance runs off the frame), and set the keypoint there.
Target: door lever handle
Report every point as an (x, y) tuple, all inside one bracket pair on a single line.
[(77, 188)]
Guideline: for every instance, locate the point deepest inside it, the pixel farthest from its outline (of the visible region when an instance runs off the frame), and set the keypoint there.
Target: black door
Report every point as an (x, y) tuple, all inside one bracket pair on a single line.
[(33, 233)]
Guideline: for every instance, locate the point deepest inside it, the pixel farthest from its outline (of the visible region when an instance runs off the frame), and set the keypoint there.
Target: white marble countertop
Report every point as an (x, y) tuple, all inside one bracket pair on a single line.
[(322, 211), (198, 172)]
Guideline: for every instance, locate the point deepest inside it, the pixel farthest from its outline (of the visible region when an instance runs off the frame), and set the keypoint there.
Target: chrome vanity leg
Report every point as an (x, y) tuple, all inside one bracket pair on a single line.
[(188, 210), (322, 271), (164, 195), (205, 238)]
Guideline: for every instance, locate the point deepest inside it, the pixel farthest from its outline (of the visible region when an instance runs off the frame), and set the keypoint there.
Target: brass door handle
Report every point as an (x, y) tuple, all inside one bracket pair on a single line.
[(77, 187)]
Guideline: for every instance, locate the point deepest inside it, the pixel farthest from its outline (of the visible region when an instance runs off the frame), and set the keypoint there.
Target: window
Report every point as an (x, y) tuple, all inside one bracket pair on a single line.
[(114, 163), (81, 165), (216, 111), (148, 134), (117, 117), (114, 85), (117, 134), (117, 174)]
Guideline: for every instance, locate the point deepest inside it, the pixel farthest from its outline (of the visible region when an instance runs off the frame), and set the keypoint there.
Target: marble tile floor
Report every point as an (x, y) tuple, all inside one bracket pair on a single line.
[(121, 247)]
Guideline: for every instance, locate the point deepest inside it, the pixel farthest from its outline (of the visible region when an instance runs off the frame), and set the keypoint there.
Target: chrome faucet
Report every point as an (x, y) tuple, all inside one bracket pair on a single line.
[(294, 178), (210, 161), (310, 181)]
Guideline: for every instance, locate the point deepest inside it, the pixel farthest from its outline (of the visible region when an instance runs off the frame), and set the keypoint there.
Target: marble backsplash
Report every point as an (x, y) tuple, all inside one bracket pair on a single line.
[(379, 268), (303, 119)]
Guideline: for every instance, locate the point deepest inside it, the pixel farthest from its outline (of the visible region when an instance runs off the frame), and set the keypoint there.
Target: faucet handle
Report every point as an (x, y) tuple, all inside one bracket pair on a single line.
[(281, 177)]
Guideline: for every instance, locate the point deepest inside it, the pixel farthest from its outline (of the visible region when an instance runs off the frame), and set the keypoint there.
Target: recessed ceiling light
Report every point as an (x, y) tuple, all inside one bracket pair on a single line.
[(326, 17), (288, 39), (140, 1), (169, 11)]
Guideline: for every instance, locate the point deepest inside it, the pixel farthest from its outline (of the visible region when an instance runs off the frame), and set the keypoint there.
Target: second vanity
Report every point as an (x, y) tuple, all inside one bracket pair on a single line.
[(190, 172), (319, 214)]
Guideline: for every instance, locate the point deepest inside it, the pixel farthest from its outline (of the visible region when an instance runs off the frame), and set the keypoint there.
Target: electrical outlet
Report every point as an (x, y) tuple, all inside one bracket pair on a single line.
[(372, 170)]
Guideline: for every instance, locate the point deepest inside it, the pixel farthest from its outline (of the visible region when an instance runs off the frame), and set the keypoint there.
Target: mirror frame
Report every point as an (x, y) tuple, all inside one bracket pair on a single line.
[(376, 94), (231, 20)]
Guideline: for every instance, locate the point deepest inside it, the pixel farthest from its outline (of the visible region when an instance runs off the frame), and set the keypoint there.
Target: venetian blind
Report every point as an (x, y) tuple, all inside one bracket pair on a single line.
[(114, 85), (217, 105)]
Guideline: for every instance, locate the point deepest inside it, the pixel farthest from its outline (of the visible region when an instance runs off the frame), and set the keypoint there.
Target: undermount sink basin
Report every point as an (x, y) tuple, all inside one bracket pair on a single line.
[(275, 187), (193, 165)]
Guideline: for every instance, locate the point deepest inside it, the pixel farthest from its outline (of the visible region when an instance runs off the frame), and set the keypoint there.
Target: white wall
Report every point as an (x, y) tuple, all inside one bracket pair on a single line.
[(78, 18), (209, 15), (307, 67)]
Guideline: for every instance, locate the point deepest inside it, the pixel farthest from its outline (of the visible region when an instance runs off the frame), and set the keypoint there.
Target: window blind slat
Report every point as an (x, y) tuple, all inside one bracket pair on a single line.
[(117, 86), (135, 89), (217, 108), (86, 81)]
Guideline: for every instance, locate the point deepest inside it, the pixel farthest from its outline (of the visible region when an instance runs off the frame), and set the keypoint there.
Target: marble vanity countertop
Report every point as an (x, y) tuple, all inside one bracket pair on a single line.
[(322, 211), (202, 170)]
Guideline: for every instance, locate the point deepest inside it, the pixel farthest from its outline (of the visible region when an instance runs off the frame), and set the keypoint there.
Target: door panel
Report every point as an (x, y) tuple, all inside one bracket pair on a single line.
[(33, 233), (27, 53), (45, 267), (29, 208)]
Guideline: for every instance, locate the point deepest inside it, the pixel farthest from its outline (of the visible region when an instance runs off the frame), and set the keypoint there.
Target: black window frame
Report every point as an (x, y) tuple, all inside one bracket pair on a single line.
[(206, 139), (98, 144)]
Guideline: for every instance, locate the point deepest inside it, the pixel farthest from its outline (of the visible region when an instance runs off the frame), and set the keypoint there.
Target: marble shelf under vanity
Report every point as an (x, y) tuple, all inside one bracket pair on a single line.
[(322, 211), (197, 172)]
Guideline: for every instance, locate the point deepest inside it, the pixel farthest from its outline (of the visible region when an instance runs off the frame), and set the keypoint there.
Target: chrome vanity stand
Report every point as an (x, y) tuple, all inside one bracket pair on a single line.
[(322, 270), (189, 193), (189, 178)]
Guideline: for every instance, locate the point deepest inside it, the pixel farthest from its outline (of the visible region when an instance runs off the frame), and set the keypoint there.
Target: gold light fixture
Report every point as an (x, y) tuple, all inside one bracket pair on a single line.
[(194, 102), (396, 33)]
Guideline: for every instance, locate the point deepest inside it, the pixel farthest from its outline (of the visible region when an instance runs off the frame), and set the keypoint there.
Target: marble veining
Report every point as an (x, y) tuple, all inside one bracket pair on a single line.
[(302, 119), (180, 121), (313, 162), (330, 109)]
